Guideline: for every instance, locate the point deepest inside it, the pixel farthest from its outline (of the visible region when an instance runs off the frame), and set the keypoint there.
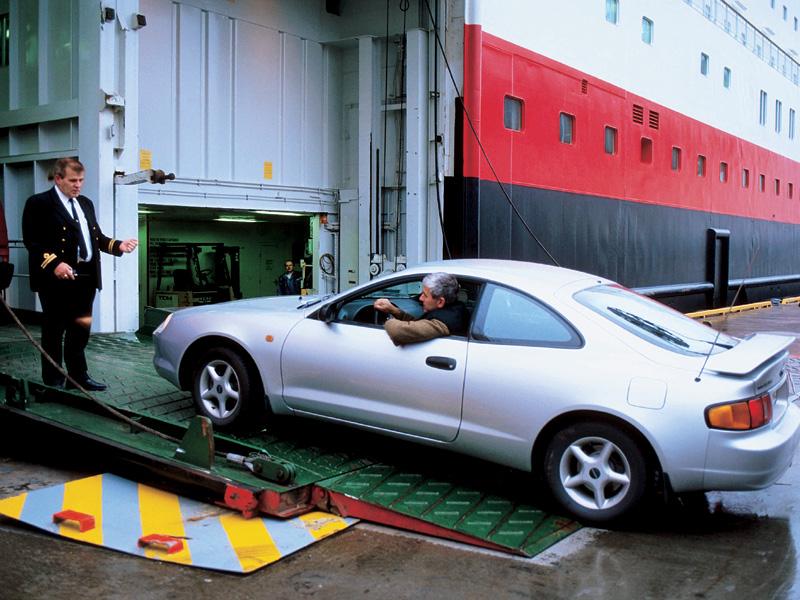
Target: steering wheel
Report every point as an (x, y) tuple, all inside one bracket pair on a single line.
[(378, 317)]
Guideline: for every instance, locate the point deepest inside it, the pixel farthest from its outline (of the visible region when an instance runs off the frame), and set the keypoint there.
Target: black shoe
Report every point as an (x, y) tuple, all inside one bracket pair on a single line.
[(55, 383), (88, 384)]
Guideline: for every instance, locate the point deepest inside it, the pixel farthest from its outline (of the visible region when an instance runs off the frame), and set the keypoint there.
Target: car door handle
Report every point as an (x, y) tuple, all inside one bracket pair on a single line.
[(441, 362)]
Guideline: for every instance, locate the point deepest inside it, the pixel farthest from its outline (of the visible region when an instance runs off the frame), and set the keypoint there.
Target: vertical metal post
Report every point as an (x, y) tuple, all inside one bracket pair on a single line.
[(418, 231), (718, 266), (366, 110)]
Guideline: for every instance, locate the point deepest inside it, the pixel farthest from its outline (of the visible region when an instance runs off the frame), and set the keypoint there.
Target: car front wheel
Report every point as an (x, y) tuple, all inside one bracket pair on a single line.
[(596, 471), (226, 389)]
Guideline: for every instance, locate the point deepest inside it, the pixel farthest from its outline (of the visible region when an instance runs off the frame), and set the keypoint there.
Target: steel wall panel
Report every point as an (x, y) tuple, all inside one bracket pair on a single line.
[(257, 94), (60, 77), (157, 89), (220, 105), (292, 109), (311, 123), (191, 83)]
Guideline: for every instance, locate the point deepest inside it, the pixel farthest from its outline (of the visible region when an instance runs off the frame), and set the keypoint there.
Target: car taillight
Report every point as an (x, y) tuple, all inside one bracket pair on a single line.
[(741, 415)]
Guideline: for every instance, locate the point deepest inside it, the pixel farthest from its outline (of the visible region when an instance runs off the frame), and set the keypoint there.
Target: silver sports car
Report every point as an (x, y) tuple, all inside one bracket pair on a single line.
[(603, 393)]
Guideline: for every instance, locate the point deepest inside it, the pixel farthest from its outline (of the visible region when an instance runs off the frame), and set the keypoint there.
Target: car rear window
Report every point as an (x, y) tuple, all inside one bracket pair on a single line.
[(653, 321)]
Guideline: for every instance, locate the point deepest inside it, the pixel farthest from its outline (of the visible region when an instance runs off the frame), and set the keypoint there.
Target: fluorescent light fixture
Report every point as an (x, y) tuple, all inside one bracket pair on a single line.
[(236, 219), (149, 211), (279, 212)]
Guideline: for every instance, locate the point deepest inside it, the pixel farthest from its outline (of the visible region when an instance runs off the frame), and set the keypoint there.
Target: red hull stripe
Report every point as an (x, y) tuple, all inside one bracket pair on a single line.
[(535, 157)]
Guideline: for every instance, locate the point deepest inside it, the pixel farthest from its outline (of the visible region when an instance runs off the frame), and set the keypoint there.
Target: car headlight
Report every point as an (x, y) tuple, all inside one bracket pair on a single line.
[(163, 326), (741, 415)]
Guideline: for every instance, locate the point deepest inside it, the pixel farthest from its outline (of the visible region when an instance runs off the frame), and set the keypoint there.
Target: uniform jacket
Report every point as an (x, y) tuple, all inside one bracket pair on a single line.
[(51, 235)]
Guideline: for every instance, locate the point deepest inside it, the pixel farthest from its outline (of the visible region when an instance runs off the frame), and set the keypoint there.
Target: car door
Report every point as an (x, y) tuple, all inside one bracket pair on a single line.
[(350, 370), (523, 357)]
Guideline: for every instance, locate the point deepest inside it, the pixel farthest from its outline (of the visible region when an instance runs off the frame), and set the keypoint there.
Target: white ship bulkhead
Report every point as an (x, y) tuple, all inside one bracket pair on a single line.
[(290, 113)]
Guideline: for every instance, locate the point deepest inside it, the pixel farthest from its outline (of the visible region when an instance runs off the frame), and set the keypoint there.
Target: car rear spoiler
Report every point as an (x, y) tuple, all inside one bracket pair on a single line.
[(750, 353)]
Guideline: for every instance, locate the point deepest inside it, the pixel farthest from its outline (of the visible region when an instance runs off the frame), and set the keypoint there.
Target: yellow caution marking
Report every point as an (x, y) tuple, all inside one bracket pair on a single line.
[(84, 496), (160, 513), (250, 540), (321, 525), (12, 507)]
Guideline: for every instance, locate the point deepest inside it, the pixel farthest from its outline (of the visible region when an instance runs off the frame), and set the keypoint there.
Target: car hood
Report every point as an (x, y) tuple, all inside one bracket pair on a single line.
[(750, 353), (289, 304)]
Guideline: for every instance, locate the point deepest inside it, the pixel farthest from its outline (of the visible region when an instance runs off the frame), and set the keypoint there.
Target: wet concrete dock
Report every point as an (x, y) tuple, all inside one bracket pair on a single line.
[(713, 545)]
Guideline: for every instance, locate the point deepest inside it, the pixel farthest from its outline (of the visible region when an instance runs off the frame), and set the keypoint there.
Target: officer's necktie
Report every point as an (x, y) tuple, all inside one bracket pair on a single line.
[(81, 241)]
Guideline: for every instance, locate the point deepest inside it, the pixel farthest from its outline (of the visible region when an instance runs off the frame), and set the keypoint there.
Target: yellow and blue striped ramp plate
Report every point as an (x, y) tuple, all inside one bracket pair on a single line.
[(213, 537)]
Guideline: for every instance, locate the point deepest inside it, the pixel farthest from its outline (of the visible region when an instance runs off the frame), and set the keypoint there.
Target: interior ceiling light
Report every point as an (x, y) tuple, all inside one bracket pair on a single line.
[(279, 213), (149, 211), (237, 219)]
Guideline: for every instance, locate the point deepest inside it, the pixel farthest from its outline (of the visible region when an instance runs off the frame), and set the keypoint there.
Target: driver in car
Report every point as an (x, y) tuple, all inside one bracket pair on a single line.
[(443, 313)]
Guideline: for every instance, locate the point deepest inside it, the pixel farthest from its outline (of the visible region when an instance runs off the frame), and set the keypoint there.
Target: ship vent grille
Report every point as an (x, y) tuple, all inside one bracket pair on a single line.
[(653, 119), (584, 86), (638, 114)]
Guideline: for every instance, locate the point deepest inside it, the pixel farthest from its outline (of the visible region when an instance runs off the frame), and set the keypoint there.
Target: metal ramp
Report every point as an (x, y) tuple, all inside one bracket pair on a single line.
[(350, 473)]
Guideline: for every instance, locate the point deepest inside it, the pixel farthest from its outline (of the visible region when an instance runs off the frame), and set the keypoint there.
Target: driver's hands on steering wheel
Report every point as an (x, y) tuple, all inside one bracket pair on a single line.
[(385, 306)]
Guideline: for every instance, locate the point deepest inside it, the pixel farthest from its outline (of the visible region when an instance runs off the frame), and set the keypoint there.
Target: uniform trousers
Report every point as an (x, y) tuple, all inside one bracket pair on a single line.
[(65, 301)]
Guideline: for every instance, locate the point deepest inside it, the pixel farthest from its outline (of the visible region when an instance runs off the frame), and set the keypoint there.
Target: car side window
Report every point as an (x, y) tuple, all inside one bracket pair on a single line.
[(506, 316), (403, 294)]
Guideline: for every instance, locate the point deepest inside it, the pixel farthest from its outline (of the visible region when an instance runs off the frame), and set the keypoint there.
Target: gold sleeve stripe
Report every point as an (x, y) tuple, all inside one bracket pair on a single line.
[(48, 258), (111, 246)]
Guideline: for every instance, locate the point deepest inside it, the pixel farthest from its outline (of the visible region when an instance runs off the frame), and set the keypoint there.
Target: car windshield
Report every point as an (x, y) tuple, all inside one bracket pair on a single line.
[(653, 321)]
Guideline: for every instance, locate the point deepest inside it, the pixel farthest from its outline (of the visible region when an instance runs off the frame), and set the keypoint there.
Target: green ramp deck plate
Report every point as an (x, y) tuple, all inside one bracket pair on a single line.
[(477, 514), (352, 472)]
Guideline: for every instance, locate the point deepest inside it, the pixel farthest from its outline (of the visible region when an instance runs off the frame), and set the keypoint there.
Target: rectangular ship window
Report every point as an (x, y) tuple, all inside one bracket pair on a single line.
[(610, 140), (612, 11), (791, 123), (704, 63), (512, 113), (762, 108), (647, 150), (761, 182), (790, 187), (676, 158), (723, 172), (647, 30), (701, 165), (778, 115), (726, 77), (777, 187), (745, 178), (566, 128)]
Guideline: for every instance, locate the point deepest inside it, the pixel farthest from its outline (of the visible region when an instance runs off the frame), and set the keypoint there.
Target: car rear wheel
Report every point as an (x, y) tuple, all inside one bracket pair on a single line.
[(596, 471), (227, 390)]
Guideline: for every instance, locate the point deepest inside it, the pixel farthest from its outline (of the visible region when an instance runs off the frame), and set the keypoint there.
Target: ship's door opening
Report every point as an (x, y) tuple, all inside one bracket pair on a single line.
[(205, 255)]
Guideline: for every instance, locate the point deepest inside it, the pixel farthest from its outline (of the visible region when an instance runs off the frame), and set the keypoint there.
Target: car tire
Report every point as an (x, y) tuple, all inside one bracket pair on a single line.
[(595, 471), (228, 390)]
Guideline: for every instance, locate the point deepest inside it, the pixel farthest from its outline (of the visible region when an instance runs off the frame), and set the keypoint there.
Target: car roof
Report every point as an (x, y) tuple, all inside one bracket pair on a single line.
[(521, 274)]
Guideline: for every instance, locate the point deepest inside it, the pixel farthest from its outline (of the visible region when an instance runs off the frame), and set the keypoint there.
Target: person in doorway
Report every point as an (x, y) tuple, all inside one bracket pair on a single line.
[(64, 242), (443, 314), (289, 281)]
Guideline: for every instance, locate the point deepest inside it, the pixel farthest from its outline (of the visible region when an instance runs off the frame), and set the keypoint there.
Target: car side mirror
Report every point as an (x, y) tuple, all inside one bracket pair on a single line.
[(327, 313)]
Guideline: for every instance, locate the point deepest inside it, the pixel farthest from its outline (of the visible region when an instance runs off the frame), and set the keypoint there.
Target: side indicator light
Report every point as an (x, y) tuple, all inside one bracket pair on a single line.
[(269, 338), (742, 415)]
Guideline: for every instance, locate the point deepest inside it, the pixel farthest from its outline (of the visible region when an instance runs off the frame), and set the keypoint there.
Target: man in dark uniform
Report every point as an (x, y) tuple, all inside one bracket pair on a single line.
[(443, 314), (64, 242), (289, 282)]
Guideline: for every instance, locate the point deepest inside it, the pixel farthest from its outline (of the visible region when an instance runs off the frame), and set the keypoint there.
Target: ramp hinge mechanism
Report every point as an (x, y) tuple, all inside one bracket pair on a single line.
[(264, 466)]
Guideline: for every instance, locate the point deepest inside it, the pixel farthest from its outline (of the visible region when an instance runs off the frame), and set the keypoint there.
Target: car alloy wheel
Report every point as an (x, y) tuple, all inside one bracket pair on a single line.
[(596, 471), (219, 389), (225, 388)]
